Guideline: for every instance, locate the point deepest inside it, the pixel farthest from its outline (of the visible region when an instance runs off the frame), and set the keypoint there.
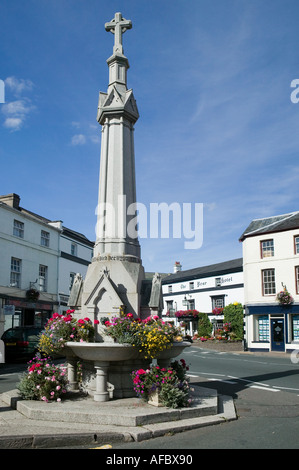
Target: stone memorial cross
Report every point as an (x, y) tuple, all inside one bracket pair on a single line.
[(117, 26)]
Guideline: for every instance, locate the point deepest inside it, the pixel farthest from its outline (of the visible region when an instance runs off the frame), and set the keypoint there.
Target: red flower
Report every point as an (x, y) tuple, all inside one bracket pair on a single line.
[(34, 366), (96, 322)]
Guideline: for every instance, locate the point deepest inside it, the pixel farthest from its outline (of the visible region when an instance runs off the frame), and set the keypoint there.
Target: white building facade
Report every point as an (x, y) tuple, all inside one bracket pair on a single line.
[(38, 260), (207, 289), (271, 263)]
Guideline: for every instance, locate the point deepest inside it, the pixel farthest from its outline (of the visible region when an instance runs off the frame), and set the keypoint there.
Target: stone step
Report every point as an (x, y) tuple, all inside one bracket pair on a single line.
[(122, 412)]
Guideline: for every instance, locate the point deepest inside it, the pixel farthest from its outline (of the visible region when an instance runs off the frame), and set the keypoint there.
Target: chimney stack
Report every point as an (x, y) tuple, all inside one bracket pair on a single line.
[(177, 267), (12, 200)]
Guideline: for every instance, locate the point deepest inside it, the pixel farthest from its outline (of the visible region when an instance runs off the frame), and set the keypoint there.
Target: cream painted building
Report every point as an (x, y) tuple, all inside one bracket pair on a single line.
[(39, 259), (270, 263), (206, 289)]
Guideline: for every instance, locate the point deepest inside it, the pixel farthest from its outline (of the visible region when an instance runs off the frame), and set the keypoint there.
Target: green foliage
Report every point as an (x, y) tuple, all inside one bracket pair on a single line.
[(233, 314), (205, 327)]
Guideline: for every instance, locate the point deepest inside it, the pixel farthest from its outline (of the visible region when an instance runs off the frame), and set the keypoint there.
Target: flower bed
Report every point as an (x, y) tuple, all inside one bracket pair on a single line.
[(171, 383)]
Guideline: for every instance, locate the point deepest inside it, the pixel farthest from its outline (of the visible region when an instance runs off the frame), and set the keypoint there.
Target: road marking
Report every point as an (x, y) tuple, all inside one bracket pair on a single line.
[(262, 388), (222, 381), (285, 388)]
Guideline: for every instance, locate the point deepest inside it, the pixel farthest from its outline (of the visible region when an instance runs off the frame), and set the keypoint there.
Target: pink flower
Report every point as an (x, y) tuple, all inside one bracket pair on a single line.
[(96, 322)]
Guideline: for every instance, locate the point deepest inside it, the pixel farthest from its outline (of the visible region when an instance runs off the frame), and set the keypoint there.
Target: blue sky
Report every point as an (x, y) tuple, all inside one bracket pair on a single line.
[(217, 126)]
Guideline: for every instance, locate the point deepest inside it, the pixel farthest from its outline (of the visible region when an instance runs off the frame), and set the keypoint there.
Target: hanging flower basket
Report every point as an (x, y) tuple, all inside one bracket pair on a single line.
[(284, 297), (32, 295)]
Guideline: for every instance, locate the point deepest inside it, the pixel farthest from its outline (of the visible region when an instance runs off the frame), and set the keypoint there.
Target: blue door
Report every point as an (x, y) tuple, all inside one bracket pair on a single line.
[(277, 335)]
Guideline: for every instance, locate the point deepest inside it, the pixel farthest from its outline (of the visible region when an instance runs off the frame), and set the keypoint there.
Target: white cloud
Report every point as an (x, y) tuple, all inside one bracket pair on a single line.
[(16, 112), (78, 139), (18, 86), (19, 107), (13, 124)]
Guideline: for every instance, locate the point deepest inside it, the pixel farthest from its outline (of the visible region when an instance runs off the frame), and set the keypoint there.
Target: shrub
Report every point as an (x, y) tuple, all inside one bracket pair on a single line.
[(233, 314), (204, 325)]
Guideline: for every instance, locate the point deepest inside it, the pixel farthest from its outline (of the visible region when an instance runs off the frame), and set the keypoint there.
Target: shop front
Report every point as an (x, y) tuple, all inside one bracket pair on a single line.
[(19, 312), (272, 328)]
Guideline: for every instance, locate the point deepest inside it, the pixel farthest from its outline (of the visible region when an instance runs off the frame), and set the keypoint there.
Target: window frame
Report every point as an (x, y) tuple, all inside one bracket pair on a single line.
[(263, 272), (43, 287), (45, 238), (15, 274), (267, 249), (297, 279), (18, 231)]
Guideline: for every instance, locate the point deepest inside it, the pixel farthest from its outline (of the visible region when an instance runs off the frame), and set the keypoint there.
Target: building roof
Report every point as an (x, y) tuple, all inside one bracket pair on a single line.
[(13, 202), (235, 265), (277, 223)]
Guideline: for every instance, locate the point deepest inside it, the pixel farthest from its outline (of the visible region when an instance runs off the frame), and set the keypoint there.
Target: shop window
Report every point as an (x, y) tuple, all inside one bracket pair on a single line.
[(295, 327), (263, 332)]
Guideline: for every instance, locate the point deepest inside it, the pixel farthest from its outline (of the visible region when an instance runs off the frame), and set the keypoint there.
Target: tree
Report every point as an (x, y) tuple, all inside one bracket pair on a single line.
[(233, 314), (204, 325)]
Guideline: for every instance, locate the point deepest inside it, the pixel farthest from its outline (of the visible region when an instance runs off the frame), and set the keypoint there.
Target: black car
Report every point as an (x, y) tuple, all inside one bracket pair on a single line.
[(21, 342)]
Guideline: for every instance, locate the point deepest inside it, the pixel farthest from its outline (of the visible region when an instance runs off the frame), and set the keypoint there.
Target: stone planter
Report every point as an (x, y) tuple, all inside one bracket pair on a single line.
[(154, 399), (107, 367)]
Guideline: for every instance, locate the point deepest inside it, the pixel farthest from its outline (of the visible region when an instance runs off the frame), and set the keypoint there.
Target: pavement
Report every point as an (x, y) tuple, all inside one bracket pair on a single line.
[(80, 421)]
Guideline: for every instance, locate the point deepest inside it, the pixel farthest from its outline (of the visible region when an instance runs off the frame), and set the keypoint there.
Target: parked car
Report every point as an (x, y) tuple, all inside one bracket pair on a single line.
[(21, 342)]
